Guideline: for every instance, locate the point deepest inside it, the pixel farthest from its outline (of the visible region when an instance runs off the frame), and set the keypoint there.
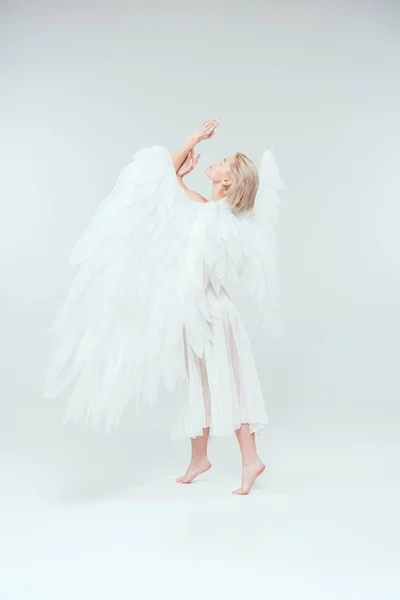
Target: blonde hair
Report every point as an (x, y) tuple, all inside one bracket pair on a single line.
[(242, 192)]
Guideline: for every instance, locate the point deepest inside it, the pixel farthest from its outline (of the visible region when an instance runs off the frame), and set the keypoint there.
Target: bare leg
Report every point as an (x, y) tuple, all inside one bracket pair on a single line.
[(199, 462), (251, 462)]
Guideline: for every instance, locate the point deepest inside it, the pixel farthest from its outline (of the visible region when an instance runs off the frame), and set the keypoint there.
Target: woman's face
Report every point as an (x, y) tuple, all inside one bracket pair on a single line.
[(219, 170)]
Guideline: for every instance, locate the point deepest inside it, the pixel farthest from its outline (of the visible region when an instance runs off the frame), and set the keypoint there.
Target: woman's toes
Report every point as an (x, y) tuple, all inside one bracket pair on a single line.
[(239, 492), (181, 480)]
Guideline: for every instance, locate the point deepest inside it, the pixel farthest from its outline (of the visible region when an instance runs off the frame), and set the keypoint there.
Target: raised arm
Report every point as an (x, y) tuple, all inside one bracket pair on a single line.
[(204, 132), (179, 157), (184, 161), (190, 193)]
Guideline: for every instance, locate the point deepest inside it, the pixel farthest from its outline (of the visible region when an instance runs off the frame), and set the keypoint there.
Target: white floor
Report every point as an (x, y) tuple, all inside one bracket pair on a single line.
[(86, 518)]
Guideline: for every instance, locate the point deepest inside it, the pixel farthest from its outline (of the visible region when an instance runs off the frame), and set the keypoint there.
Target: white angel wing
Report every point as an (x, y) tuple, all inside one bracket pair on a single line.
[(143, 266), (259, 272), (119, 331)]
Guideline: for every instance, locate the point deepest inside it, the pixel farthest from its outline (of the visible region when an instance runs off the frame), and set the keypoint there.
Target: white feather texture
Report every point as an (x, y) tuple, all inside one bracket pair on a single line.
[(145, 306), (259, 273)]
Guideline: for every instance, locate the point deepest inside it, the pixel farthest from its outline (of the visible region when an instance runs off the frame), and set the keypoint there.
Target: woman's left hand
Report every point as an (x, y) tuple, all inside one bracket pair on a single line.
[(189, 164)]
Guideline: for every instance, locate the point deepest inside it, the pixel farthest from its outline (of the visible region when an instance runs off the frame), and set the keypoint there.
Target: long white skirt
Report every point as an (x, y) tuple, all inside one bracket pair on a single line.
[(222, 388)]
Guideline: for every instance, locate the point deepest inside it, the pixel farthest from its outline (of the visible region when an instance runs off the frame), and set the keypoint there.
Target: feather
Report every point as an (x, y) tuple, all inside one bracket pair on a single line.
[(145, 265), (259, 270), (119, 331)]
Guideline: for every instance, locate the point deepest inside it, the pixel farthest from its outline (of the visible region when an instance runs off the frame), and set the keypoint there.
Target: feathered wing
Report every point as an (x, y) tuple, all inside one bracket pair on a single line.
[(143, 265), (259, 271), (119, 331)]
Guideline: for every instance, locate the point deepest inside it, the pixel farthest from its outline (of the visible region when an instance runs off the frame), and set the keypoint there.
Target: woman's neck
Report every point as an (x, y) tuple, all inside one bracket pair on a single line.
[(218, 191)]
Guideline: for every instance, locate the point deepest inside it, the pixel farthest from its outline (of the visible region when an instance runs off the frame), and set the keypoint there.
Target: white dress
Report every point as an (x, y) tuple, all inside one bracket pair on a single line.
[(149, 307), (223, 388)]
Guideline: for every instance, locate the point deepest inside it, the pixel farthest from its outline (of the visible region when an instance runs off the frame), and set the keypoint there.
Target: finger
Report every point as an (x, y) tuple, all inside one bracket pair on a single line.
[(212, 125)]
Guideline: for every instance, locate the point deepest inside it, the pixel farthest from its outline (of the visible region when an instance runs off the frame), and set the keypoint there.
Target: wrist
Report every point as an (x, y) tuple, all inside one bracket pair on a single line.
[(193, 140)]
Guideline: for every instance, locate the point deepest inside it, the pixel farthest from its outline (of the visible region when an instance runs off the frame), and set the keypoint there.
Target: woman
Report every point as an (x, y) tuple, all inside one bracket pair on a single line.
[(150, 304)]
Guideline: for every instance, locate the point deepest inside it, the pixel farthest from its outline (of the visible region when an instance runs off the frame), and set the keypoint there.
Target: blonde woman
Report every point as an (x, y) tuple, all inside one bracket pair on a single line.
[(150, 307)]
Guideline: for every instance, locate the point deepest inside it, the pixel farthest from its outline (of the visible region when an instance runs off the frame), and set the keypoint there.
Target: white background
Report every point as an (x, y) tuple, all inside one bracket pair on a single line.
[(83, 86)]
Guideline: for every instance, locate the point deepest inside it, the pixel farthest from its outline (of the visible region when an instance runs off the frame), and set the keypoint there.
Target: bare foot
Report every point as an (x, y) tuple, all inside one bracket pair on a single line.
[(249, 475), (193, 470)]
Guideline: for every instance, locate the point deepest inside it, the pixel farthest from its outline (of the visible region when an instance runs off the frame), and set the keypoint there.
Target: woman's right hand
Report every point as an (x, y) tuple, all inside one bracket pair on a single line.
[(188, 165), (206, 130)]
